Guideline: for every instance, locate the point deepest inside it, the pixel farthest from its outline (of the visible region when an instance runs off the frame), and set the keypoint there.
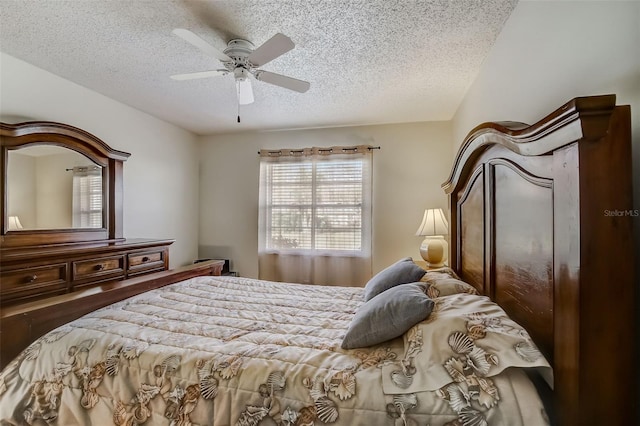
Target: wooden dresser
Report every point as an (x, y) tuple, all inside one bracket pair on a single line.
[(62, 248), (37, 272), (67, 187)]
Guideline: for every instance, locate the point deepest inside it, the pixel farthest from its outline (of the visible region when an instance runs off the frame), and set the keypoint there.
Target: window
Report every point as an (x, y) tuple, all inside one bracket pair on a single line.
[(87, 197), (315, 202), (315, 205)]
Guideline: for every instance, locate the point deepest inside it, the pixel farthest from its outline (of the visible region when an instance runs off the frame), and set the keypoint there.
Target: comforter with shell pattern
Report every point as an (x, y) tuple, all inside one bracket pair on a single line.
[(237, 351)]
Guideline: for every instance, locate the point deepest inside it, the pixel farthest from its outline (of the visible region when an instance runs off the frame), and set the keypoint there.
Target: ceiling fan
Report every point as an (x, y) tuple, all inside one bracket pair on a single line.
[(242, 60)]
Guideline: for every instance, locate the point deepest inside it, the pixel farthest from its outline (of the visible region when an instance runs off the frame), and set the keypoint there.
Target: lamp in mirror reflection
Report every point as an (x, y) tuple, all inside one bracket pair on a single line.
[(434, 247), (14, 223)]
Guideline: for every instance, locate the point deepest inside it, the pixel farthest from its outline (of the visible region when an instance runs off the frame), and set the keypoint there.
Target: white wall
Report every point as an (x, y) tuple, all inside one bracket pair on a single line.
[(160, 177), (21, 199), (413, 161), (54, 189)]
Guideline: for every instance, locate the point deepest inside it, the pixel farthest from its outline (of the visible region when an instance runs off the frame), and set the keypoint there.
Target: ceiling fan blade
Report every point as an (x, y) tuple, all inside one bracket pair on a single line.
[(277, 45), (190, 37), (245, 91), (283, 81), (201, 74)]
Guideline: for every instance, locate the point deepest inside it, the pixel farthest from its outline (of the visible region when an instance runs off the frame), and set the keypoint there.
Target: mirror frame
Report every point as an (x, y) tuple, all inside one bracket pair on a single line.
[(14, 136)]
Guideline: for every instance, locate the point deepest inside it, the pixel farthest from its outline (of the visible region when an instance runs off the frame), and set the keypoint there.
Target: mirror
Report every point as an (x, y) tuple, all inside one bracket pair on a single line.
[(41, 161), (52, 187)]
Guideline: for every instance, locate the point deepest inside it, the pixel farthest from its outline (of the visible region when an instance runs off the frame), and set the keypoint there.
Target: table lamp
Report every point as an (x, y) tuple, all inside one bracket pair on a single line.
[(434, 247)]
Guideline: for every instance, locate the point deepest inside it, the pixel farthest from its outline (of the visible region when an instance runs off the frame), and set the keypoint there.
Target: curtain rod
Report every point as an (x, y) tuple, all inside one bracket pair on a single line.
[(279, 151), (82, 168)]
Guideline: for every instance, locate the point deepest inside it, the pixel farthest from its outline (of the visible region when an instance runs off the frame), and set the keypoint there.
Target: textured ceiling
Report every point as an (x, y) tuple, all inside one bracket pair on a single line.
[(373, 61)]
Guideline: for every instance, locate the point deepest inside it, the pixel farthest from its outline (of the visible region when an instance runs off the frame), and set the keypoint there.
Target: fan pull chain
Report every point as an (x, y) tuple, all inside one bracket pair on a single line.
[(238, 97)]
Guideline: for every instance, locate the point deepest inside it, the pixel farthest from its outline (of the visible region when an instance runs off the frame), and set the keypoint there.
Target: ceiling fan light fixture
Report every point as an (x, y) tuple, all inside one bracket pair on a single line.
[(243, 86), (240, 73)]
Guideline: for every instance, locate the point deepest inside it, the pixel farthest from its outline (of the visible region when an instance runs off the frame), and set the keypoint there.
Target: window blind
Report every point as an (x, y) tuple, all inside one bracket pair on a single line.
[(87, 197), (315, 204)]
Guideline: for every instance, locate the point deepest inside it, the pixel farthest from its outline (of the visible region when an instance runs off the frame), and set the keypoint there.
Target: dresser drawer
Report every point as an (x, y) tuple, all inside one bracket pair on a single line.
[(26, 282), (146, 261), (98, 269)]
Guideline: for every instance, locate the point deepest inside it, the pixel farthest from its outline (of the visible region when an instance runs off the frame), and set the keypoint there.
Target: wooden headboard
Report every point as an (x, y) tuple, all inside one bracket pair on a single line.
[(541, 222)]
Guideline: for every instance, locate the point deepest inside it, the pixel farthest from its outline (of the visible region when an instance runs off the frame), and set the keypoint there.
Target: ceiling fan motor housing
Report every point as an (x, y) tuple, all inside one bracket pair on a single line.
[(238, 49)]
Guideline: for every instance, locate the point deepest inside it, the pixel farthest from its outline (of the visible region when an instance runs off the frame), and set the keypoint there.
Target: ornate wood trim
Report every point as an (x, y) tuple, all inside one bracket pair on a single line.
[(86, 143), (583, 118)]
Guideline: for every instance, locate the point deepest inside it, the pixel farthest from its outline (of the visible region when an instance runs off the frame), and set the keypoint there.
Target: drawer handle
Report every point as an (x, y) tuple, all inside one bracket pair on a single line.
[(32, 278), (145, 259), (99, 267)]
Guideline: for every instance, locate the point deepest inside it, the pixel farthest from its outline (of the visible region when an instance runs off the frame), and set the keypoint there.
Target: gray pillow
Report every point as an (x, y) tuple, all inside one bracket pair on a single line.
[(402, 272), (388, 315)]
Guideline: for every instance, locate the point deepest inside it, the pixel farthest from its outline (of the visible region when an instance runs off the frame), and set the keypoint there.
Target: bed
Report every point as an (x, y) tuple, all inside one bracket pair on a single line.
[(227, 350), (520, 328)]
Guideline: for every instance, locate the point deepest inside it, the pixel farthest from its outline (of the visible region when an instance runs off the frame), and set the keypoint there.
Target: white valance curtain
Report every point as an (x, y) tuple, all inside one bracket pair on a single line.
[(315, 215), (87, 197)]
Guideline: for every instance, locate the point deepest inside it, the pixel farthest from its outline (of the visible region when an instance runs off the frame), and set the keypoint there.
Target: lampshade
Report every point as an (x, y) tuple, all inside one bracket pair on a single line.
[(434, 248), (433, 223), (14, 223)]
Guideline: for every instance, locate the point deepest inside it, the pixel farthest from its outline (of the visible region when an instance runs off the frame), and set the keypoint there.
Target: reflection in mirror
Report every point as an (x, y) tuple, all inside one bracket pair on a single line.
[(51, 187)]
